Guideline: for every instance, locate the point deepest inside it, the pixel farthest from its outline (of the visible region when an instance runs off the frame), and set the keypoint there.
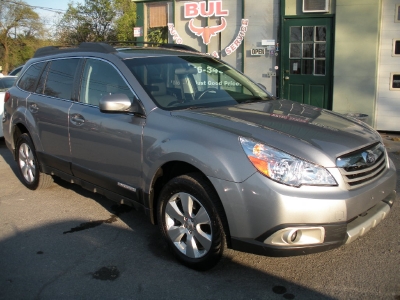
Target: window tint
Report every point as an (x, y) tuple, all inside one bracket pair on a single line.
[(60, 78), (29, 79), (42, 80), (99, 79)]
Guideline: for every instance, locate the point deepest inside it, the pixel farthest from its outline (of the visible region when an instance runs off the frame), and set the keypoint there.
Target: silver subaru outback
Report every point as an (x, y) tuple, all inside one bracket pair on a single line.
[(210, 157)]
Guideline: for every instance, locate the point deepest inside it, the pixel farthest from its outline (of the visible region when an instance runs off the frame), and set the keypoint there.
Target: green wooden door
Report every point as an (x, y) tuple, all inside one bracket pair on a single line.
[(307, 61)]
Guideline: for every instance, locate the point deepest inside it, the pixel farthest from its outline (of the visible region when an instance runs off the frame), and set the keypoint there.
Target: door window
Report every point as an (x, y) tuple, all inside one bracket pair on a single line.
[(99, 79), (60, 78), (307, 50)]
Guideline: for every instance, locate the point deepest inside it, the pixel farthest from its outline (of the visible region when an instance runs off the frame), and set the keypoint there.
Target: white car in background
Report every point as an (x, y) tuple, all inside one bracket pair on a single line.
[(5, 83)]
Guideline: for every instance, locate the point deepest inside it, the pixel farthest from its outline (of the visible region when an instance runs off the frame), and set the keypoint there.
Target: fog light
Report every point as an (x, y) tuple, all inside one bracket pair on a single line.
[(293, 237), (297, 236)]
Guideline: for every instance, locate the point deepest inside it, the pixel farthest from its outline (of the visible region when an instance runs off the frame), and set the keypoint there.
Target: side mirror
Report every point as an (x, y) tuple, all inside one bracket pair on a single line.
[(115, 103)]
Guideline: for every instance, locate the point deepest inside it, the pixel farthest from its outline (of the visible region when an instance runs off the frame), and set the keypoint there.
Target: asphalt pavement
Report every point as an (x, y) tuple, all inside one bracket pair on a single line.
[(67, 243)]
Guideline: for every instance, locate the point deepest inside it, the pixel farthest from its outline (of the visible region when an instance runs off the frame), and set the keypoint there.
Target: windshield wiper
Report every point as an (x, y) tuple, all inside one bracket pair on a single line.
[(251, 100), (194, 107)]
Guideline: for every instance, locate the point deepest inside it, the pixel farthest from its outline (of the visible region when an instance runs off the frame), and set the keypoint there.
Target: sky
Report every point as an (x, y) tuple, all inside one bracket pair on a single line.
[(48, 9)]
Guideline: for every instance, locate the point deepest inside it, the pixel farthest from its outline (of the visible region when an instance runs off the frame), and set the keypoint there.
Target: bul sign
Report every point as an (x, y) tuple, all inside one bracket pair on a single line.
[(195, 9), (209, 9)]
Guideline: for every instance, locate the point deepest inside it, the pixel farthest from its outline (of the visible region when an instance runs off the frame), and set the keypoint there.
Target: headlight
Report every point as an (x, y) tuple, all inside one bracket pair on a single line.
[(285, 168)]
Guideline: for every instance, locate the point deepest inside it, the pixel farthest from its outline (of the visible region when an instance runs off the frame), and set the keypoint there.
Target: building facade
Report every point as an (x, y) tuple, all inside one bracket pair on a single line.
[(337, 54)]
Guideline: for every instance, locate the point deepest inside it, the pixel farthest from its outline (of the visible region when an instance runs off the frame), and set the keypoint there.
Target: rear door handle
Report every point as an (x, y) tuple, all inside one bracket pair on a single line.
[(33, 108)]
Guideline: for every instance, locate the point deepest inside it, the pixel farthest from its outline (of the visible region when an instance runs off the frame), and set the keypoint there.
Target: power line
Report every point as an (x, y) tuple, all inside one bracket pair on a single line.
[(55, 10)]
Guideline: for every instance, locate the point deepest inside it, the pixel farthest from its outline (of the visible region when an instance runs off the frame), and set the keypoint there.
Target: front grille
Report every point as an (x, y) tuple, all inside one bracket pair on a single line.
[(362, 167)]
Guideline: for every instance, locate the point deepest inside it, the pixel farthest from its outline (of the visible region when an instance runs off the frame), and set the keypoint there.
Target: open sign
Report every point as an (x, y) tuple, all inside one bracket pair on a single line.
[(258, 51)]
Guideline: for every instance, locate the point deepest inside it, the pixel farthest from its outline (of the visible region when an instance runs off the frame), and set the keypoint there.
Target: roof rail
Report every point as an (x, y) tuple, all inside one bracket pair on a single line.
[(179, 46), (162, 45), (103, 47), (83, 47)]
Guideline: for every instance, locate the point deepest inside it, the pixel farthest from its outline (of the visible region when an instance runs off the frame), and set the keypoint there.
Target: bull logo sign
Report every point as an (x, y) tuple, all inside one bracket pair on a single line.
[(214, 8), (208, 31), (195, 9)]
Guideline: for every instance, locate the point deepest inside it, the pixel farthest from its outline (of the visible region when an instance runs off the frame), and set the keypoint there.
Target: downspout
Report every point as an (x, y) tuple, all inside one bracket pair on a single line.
[(242, 46), (281, 72)]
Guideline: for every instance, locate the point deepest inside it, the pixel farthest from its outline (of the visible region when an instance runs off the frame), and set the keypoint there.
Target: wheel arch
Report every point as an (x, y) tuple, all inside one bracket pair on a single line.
[(173, 169), (17, 131)]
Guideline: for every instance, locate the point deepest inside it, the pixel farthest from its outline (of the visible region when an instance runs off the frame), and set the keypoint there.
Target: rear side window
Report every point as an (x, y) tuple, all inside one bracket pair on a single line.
[(29, 80), (60, 78)]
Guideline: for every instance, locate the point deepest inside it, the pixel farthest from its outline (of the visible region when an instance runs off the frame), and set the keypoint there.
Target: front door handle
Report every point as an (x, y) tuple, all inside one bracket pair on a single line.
[(77, 120)]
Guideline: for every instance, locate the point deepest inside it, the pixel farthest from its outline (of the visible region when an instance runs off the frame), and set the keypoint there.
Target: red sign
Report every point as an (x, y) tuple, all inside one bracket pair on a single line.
[(214, 8)]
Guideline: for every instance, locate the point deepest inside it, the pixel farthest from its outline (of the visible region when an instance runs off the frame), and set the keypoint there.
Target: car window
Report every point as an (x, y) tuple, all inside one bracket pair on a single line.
[(60, 78), (99, 79), (29, 79), (6, 83)]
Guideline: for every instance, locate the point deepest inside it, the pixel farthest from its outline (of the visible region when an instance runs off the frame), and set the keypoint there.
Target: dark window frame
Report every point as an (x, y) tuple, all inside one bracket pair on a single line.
[(396, 47), (392, 81)]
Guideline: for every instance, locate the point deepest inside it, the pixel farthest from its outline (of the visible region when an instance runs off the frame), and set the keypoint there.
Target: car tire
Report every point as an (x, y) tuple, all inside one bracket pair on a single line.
[(189, 217), (28, 165)]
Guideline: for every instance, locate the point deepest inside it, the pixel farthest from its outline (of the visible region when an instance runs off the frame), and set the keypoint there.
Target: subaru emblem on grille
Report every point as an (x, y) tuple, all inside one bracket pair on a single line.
[(369, 157)]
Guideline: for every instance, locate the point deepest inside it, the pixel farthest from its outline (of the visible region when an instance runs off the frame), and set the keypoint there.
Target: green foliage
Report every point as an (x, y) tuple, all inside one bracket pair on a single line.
[(158, 35), (126, 19), (88, 22), (97, 21), (20, 31)]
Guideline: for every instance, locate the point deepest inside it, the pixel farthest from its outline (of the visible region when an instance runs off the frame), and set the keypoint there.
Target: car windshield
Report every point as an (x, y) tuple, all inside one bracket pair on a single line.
[(6, 83), (189, 82)]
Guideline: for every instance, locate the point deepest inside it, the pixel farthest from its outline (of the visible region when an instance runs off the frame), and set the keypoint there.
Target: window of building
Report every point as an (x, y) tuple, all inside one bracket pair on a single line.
[(397, 14), (157, 14), (308, 50), (396, 47), (395, 81)]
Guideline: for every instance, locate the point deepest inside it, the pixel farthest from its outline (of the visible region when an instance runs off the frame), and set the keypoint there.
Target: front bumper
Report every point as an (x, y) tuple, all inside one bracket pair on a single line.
[(335, 235)]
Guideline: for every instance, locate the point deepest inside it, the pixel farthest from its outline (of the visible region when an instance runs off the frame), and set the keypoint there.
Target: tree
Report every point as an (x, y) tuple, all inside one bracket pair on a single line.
[(17, 21), (126, 19), (92, 21)]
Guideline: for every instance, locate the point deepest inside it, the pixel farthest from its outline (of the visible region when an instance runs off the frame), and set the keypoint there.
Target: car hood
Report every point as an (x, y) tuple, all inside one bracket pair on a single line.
[(311, 133)]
